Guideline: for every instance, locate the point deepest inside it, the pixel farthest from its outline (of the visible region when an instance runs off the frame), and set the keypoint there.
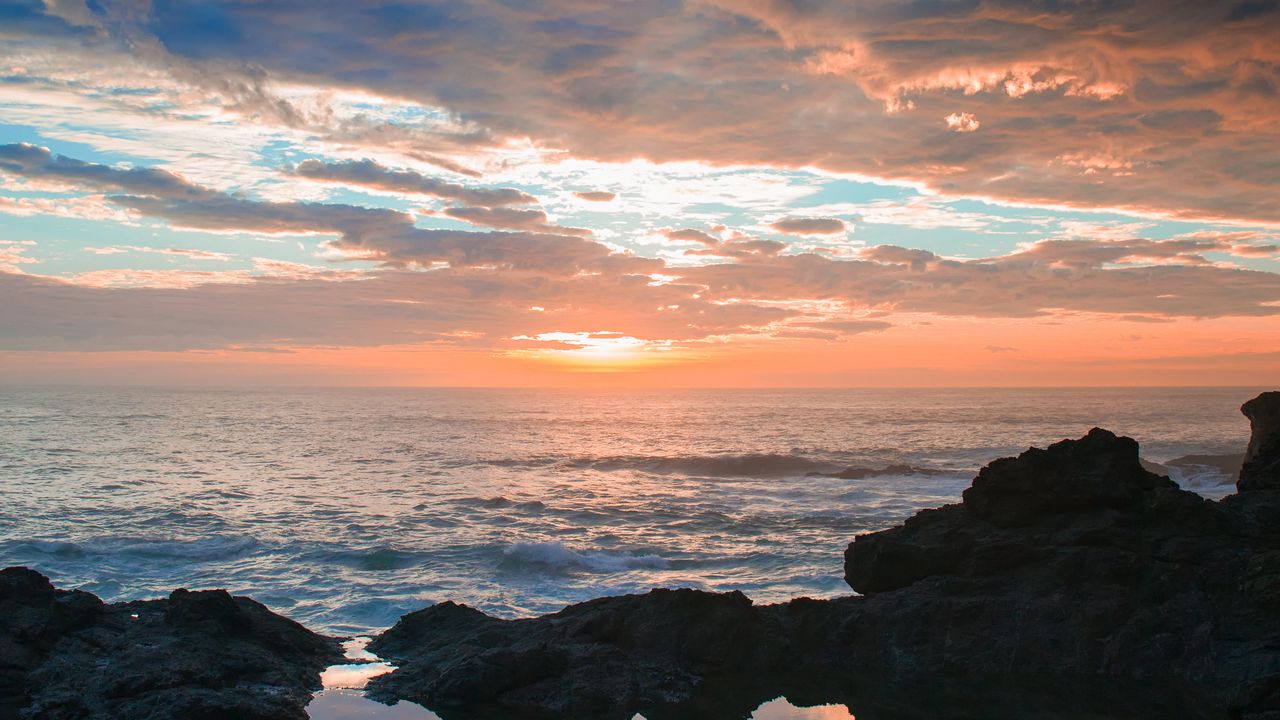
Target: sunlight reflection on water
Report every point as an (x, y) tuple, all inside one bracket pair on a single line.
[(340, 704), (352, 705)]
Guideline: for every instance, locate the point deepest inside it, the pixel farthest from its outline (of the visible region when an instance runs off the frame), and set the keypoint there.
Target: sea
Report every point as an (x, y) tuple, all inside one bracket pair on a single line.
[(347, 508)]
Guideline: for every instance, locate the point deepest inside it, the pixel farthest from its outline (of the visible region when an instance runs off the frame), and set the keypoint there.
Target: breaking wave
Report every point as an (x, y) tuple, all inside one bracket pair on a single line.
[(555, 555), (217, 547)]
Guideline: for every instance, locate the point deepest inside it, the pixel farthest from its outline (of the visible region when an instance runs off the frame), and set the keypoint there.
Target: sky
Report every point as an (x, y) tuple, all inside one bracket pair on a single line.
[(636, 193)]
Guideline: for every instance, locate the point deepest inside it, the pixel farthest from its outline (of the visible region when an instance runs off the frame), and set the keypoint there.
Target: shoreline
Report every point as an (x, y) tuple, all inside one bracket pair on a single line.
[(1067, 568)]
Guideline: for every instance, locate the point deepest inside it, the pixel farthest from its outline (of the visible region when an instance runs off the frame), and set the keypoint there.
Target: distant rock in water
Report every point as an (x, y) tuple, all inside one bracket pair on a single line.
[(860, 473), (65, 655), (1070, 581), (1261, 469)]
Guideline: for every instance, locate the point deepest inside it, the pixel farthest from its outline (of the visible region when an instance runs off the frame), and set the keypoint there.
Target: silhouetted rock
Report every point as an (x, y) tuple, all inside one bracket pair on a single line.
[(33, 618), (1261, 469), (66, 655), (599, 657), (1099, 470)]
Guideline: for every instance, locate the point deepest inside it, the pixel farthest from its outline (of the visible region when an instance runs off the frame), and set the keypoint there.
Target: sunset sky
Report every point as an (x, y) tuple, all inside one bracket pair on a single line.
[(640, 193)]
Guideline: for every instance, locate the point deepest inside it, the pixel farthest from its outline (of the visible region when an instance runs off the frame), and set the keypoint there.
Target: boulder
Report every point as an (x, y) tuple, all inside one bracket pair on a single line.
[(607, 657), (65, 655)]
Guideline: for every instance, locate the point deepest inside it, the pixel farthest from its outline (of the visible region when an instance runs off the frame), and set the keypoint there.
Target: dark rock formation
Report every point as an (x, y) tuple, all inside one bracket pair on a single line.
[(1261, 469), (593, 658), (1070, 581), (192, 656)]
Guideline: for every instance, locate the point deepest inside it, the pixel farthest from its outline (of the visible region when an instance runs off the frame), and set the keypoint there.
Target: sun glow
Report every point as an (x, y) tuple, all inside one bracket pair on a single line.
[(601, 351)]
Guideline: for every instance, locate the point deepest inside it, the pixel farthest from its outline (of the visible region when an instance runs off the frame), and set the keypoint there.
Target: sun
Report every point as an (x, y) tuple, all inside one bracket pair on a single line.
[(599, 351)]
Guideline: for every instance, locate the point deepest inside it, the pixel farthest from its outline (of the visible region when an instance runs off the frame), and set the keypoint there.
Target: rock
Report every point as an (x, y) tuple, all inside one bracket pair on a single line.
[(34, 617), (1098, 470), (1261, 469), (604, 657), (1076, 561), (66, 655)]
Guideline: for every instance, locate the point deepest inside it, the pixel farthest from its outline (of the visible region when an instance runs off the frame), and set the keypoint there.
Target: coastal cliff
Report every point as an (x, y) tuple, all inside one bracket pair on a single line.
[(1069, 582)]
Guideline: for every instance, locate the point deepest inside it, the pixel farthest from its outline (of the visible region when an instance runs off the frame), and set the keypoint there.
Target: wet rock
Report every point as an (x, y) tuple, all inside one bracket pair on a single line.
[(605, 657), (1075, 560), (34, 617), (1261, 469), (66, 655), (1099, 470)]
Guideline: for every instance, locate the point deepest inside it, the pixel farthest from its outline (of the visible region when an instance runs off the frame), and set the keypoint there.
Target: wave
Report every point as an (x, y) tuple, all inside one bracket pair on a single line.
[(212, 548), (750, 465), (1197, 472), (494, 503), (555, 555), (859, 473), (729, 465), (377, 558)]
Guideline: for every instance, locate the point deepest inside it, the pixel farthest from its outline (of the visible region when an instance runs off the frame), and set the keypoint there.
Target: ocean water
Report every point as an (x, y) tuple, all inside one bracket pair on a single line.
[(345, 509)]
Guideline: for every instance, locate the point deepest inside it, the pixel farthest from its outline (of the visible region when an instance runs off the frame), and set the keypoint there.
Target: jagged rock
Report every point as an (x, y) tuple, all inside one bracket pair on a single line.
[(1261, 469), (1076, 560), (1098, 470), (611, 655), (33, 618), (64, 655)]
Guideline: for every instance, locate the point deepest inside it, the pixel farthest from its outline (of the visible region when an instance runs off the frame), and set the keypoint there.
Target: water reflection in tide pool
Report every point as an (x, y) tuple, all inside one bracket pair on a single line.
[(348, 704), (342, 704), (343, 695), (780, 709)]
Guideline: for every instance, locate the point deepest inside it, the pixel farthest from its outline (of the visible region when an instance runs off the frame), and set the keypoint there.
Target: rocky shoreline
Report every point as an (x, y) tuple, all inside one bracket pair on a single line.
[(1070, 582)]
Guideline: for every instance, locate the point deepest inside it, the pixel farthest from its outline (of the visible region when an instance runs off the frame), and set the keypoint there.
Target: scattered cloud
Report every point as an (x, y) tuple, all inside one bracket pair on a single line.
[(370, 174), (600, 196), (189, 253), (808, 226), (962, 122), (511, 219)]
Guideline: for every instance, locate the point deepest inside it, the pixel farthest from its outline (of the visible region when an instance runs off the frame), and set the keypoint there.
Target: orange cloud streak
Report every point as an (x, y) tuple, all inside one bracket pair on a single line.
[(922, 351)]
